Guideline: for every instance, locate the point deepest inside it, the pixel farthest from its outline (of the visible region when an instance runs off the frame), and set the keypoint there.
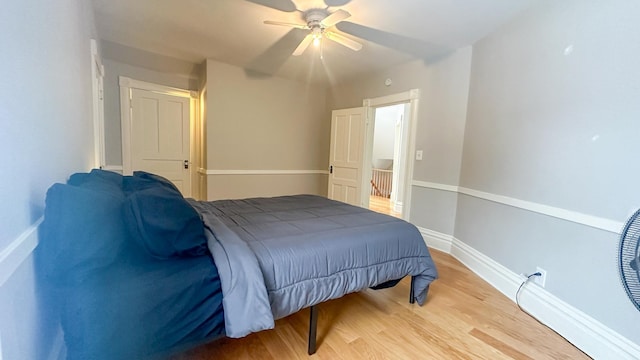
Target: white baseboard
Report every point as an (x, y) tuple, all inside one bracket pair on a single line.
[(586, 333), (398, 206), (437, 240), (597, 222), (114, 168)]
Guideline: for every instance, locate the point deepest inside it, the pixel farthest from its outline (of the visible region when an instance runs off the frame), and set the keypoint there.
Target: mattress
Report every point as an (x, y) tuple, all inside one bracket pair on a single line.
[(279, 255)]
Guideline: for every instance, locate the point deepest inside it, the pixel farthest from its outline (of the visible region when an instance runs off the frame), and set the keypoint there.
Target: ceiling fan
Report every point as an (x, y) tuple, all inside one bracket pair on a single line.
[(318, 21)]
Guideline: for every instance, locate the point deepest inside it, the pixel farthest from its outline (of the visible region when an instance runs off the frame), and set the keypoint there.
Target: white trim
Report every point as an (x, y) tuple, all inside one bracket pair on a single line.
[(588, 334), (367, 151), (112, 168), (501, 278), (437, 186), (398, 207), (393, 99), (125, 126), (124, 81), (13, 255), (97, 88), (436, 240), (262, 172), (564, 214)]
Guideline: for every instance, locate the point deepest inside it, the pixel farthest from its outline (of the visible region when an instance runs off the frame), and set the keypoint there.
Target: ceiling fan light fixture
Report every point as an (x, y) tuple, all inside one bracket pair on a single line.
[(318, 21), (316, 32)]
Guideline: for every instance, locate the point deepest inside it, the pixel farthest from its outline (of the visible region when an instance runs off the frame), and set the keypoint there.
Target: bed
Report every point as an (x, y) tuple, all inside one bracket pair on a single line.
[(169, 273)]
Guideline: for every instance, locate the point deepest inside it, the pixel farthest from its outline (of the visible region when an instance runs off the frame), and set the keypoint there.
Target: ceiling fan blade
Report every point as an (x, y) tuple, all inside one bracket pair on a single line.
[(273, 58), (303, 45), (335, 18), (418, 48), (342, 40), (336, 2), (296, 26), (282, 5)]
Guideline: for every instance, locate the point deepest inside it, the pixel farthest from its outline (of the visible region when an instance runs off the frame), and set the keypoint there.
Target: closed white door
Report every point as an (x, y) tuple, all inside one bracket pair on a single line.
[(346, 155), (160, 136)]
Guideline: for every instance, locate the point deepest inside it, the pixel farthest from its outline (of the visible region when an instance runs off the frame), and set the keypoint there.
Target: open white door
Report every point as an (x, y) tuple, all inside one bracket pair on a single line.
[(160, 125), (346, 155)]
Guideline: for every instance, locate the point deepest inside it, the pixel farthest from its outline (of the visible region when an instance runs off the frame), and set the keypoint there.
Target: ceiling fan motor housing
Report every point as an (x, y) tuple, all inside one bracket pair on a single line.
[(314, 18)]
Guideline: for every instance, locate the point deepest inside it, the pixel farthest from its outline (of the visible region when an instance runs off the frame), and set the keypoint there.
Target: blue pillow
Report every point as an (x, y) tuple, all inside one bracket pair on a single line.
[(162, 222), (82, 232), (157, 178), (142, 180), (98, 179)]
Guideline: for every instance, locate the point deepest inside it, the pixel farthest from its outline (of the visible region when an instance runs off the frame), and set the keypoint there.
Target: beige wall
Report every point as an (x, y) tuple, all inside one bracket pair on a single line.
[(264, 123), (244, 186), (444, 87)]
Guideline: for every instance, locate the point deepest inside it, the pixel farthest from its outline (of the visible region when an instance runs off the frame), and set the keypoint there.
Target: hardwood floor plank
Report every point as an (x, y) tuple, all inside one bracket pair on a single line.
[(275, 346), (382, 205), (498, 345)]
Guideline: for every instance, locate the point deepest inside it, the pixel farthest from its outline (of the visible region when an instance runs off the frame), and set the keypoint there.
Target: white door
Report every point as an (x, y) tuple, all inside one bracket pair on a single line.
[(160, 136), (346, 155)]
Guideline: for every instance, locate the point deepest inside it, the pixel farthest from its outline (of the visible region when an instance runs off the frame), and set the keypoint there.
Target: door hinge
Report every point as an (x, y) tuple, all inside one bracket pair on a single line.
[(186, 164), (331, 169)]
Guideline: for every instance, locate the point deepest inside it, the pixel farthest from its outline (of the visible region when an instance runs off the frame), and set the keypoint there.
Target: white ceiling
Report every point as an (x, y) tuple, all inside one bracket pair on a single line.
[(232, 31)]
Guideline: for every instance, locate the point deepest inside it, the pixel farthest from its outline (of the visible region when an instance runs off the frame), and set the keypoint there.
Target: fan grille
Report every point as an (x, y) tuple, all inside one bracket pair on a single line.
[(629, 258)]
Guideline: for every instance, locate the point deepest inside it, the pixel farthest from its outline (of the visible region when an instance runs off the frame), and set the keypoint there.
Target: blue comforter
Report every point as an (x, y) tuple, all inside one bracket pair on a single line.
[(279, 255)]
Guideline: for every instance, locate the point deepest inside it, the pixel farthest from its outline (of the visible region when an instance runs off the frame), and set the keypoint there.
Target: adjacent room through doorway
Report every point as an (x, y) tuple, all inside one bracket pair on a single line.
[(387, 165)]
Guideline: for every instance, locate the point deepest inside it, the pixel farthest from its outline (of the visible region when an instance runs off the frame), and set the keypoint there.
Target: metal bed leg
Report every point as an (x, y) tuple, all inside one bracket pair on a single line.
[(411, 299), (313, 327)]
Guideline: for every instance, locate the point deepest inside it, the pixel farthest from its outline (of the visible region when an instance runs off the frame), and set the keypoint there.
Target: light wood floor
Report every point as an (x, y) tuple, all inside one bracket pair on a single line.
[(382, 205), (463, 318)]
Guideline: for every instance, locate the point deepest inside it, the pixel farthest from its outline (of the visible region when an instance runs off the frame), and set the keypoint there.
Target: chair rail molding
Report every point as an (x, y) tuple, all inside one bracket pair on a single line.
[(18, 250), (556, 212), (263, 172)]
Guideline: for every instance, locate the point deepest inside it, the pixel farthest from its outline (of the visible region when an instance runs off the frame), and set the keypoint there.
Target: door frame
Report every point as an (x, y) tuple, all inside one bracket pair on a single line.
[(97, 87), (126, 85), (411, 97)]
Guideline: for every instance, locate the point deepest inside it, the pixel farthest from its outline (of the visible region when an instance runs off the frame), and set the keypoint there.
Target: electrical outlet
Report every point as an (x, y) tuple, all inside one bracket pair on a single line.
[(542, 279)]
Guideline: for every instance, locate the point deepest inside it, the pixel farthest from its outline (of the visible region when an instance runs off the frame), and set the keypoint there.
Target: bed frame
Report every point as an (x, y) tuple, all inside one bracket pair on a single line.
[(313, 317)]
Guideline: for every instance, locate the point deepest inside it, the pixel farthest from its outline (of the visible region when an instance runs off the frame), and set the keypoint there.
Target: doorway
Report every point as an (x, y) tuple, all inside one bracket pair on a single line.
[(404, 133), (351, 152), (158, 128), (387, 159)]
